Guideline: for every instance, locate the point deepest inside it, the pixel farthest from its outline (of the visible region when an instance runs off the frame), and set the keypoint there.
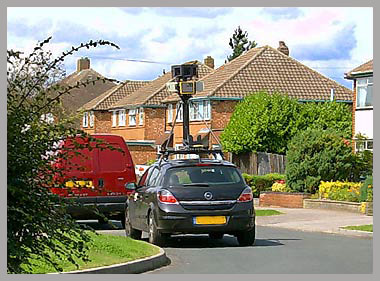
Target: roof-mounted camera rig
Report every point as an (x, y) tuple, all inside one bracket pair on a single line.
[(184, 83)]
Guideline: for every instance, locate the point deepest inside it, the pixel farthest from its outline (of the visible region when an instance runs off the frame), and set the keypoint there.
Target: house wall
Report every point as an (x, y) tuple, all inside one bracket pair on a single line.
[(364, 122), (142, 153), (221, 112), (154, 123), (102, 122)]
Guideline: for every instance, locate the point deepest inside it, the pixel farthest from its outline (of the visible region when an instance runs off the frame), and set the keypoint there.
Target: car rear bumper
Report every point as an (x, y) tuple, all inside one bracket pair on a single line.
[(238, 220), (90, 210)]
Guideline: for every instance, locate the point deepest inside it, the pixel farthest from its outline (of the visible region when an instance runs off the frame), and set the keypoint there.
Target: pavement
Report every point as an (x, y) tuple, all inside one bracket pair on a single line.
[(316, 220)]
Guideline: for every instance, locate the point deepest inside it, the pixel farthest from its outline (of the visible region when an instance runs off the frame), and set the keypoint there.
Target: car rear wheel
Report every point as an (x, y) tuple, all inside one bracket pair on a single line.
[(246, 238), (129, 230), (155, 236), (216, 235)]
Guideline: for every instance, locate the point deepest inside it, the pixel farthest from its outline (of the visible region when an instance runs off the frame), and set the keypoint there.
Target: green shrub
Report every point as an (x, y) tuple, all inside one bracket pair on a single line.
[(366, 190), (262, 183), (315, 155), (267, 122)]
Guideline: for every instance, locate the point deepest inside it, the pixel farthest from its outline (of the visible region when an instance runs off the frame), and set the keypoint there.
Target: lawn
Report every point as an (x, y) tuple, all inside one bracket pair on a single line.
[(368, 227), (260, 213), (103, 250)]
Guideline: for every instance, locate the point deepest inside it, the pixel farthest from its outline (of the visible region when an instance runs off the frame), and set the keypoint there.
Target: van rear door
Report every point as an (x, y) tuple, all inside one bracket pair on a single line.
[(115, 169)]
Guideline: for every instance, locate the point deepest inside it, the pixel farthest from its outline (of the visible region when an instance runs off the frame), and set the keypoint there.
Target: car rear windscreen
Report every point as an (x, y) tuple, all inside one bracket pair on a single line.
[(203, 175)]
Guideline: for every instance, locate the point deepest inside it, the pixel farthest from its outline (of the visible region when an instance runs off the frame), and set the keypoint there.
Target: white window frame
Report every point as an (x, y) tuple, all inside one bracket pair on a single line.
[(179, 112), (179, 156), (206, 110), (366, 83), (132, 117), (364, 145), (122, 117), (170, 113), (114, 118), (92, 119), (141, 116), (85, 120)]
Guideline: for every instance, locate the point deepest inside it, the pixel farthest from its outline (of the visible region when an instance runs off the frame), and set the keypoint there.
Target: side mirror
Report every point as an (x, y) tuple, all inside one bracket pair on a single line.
[(130, 186)]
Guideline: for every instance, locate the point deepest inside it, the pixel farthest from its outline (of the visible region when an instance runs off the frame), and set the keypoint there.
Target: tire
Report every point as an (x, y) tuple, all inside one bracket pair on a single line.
[(216, 235), (129, 230), (155, 236), (246, 238)]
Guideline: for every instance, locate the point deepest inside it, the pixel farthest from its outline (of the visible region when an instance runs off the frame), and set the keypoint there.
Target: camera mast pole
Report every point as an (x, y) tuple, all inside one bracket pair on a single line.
[(186, 120)]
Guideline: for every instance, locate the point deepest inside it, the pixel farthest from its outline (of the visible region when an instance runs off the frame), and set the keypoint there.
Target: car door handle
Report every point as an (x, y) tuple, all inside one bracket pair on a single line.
[(120, 179)]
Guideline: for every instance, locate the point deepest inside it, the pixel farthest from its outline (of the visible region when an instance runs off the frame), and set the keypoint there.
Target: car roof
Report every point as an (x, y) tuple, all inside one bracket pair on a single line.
[(192, 162)]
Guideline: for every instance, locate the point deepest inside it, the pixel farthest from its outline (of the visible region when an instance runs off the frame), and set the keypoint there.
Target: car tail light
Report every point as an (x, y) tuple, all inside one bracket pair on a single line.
[(166, 197), (246, 195)]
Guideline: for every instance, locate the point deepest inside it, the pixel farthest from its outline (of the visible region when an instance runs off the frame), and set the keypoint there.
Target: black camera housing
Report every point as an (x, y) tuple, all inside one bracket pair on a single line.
[(184, 71)]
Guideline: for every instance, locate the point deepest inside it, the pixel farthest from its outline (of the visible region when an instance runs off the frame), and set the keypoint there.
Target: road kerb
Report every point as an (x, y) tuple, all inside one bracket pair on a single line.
[(132, 267)]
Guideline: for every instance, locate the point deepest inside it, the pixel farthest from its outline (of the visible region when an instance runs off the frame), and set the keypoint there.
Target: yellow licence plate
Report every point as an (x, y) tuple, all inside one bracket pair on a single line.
[(210, 220)]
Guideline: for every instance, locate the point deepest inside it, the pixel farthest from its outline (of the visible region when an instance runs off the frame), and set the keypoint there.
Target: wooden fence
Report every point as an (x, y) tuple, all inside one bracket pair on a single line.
[(259, 163)]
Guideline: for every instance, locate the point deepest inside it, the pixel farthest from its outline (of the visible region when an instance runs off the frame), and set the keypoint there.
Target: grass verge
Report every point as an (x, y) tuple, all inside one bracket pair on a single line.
[(103, 250), (260, 213), (367, 227)]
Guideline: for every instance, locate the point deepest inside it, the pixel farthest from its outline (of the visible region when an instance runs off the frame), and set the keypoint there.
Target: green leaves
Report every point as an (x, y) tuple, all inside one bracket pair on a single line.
[(314, 155), (35, 217), (263, 122), (239, 43)]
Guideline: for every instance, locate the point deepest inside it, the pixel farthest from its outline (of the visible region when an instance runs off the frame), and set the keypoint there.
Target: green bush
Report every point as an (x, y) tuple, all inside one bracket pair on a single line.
[(264, 122), (262, 183), (315, 155), (366, 190)]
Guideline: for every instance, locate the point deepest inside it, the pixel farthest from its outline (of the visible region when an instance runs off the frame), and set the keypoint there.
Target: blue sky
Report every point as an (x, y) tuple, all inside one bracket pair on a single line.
[(330, 40)]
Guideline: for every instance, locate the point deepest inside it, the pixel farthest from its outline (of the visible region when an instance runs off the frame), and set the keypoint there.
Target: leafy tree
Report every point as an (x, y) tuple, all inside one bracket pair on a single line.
[(36, 218), (314, 155), (239, 43), (264, 122)]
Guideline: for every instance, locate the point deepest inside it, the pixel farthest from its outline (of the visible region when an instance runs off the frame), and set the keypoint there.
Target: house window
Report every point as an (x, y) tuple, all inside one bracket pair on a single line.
[(132, 117), (179, 112), (206, 110), (85, 120), (122, 117), (170, 113), (361, 145), (179, 156), (364, 92), (199, 110), (141, 116), (92, 119), (114, 118)]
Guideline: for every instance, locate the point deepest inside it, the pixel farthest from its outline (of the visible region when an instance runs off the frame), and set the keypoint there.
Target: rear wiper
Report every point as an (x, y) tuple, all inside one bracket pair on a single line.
[(196, 184)]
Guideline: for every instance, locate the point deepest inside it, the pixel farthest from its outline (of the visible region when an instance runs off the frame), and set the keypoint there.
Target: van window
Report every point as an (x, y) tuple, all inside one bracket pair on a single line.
[(111, 160)]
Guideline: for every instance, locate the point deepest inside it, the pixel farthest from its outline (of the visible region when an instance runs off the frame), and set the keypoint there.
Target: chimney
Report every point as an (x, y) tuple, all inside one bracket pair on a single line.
[(209, 61), (83, 63), (283, 48)]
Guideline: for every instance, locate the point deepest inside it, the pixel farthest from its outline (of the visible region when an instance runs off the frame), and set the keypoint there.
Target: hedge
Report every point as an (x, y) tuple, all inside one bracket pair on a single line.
[(262, 183)]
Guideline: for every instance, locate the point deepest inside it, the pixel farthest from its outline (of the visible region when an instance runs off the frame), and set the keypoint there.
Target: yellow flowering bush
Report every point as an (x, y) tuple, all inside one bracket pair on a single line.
[(340, 191), (280, 187)]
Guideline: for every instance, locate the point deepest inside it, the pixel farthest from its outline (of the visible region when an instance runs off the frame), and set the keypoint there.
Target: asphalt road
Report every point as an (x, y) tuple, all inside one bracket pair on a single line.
[(275, 251)]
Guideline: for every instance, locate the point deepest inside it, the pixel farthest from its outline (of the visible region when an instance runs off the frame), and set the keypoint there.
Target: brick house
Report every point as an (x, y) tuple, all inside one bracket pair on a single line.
[(139, 116), (78, 97), (362, 110), (263, 68)]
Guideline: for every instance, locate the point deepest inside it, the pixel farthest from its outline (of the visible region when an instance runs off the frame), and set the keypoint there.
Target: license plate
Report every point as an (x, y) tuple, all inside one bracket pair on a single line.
[(210, 220)]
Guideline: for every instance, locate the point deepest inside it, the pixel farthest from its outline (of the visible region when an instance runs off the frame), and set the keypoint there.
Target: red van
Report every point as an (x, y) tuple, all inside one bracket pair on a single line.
[(96, 176)]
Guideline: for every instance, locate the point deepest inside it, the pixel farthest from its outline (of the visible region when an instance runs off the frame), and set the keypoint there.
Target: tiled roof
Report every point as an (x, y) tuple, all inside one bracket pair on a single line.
[(268, 69), (78, 97), (112, 96), (155, 91), (364, 68)]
